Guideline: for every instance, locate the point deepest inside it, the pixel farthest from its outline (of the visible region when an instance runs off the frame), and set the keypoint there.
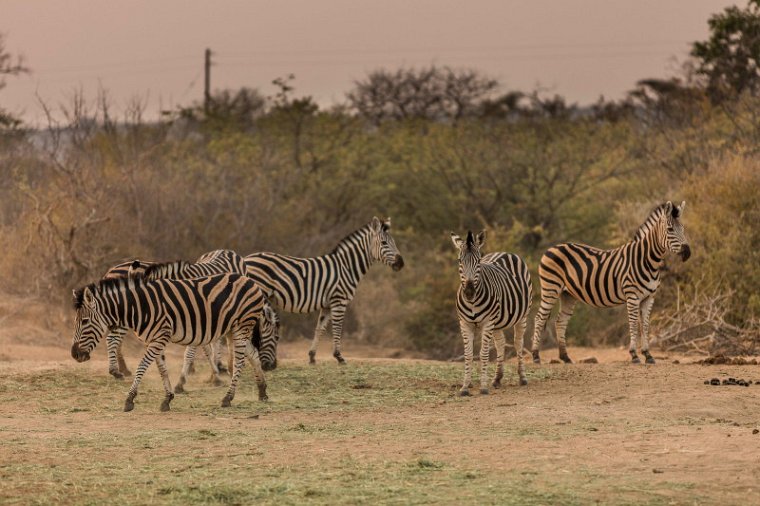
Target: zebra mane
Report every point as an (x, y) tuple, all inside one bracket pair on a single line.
[(654, 215), (101, 286), (353, 235), (156, 270)]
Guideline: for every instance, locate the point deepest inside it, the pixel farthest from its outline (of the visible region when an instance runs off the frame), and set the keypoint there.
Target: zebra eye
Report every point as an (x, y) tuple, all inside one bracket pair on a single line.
[(85, 321)]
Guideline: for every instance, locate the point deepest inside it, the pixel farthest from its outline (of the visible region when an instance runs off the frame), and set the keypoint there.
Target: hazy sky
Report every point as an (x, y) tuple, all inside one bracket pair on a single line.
[(154, 48)]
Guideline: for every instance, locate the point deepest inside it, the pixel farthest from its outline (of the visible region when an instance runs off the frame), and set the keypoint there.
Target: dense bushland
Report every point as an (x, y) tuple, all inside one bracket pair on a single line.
[(282, 174)]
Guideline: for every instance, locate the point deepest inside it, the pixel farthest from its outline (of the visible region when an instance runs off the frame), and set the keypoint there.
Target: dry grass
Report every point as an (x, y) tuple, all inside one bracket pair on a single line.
[(381, 431)]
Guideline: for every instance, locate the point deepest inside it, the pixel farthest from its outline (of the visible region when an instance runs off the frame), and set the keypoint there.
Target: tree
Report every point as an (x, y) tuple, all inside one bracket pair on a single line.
[(729, 59), (433, 93), (9, 66)]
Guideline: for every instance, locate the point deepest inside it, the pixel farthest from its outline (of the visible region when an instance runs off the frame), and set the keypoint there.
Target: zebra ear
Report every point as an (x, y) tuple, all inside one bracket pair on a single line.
[(269, 313), (681, 208), (376, 223), (480, 239), (668, 208), (387, 223), (88, 299), (133, 269), (456, 240)]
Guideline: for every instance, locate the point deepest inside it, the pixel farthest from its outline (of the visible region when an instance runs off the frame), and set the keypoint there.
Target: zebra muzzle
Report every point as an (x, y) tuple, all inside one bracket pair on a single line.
[(685, 252), (469, 290), (79, 355), (398, 263), (269, 366)]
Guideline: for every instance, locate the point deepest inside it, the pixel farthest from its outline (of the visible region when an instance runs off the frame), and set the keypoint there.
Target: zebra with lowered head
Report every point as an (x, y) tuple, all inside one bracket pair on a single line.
[(188, 312), (214, 262), (628, 274), (326, 283), (494, 294)]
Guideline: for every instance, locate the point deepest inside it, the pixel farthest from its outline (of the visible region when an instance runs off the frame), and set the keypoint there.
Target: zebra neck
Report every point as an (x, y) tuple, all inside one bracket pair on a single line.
[(354, 257), (651, 251)]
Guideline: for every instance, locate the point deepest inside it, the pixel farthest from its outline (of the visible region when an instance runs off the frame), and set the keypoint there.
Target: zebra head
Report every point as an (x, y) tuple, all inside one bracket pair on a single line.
[(383, 246), (675, 236), (89, 325), (266, 334), (469, 261)]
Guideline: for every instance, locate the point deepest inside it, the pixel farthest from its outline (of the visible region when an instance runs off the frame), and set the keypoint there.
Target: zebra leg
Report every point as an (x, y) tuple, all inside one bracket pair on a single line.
[(209, 350), (646, 310), (337, 312), (161, 363), (230, 352), (113, 341), (258, 372), (486, 335), (468, 336), (241, 339), (153, 350), (519, 331), (189, 358), (566, 307), (548, 300), (633, 327), (500, 344), (217, 347), (322, 322)]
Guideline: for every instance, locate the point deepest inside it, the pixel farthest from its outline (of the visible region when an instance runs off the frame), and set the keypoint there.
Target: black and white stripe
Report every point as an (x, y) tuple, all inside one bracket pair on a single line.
[(188, 312), (629, 274), (327, 283), (494, 295), (214, 262)]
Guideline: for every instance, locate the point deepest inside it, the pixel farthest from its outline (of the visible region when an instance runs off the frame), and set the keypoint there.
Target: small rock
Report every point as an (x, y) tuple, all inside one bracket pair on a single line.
[(755, 431), (589, 360), (707, 382), (555, 361), (253, 417), (676, 361), (715, 381), (657, 471)]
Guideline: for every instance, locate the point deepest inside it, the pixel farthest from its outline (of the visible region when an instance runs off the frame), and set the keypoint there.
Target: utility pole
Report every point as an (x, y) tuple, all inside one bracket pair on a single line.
[(207, 88)]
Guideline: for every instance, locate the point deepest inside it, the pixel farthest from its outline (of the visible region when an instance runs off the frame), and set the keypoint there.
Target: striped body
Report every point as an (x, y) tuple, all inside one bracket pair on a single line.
[(629, 274), (188, 312), (495, 294), (326, 283), (211, 263)]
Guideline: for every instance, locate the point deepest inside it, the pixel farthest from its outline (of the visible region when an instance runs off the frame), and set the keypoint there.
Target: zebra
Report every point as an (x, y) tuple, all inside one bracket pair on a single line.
[(189, 312), (214, 262), (494, 294), (629, 274), (326, 283)]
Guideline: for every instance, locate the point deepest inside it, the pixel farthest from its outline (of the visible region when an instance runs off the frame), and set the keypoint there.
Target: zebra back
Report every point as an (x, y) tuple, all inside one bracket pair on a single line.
[(303, 285)]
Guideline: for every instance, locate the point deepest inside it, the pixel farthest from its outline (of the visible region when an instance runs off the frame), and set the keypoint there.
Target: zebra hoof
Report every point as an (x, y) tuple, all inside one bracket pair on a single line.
[(523, 382), (128, 406), (312, 354), (635, 359), (263, 393), (649, 358), (116, 374), (179, 389), (483, 391), (165, 404), (339, 358), (536, 358), (496, 384), (227, 401), (464, 393), (566, 358)]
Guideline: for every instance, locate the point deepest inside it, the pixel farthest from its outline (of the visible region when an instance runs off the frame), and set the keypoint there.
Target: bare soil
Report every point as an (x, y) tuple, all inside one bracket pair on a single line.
[(381, 430)]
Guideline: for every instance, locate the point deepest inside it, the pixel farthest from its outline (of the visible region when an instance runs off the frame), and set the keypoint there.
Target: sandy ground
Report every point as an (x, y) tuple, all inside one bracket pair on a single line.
[(609, 432)]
